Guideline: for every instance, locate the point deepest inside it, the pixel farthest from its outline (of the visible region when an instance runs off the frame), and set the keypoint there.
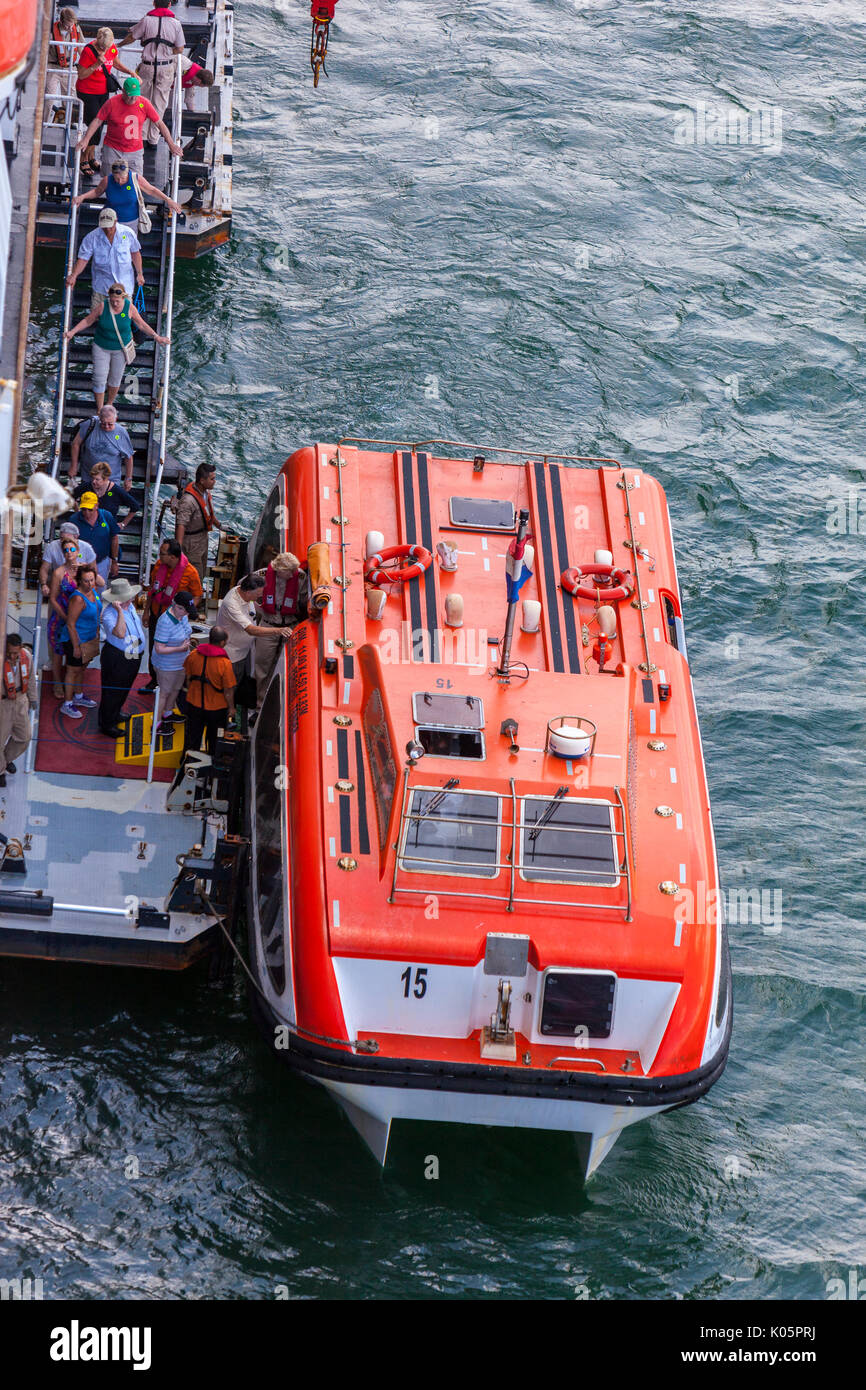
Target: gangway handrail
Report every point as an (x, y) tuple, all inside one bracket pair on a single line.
[(152, 497), (71, 252)]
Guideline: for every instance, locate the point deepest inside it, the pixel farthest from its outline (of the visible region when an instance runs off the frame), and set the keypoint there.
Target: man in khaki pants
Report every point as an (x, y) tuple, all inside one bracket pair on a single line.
[(18, 698)]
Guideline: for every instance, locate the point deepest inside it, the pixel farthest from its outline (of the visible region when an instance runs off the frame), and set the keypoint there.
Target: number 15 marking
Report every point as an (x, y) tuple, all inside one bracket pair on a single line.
[(420, 981)]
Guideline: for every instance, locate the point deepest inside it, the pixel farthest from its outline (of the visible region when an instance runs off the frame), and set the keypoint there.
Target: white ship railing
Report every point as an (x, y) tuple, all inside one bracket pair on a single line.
[(152, 497)]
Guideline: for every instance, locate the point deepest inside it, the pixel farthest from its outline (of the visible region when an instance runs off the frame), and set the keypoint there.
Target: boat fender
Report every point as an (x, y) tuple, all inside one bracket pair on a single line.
[(373, 544), (597, 583), (418, 556), (376, 600), (454, 610), (531, 615)]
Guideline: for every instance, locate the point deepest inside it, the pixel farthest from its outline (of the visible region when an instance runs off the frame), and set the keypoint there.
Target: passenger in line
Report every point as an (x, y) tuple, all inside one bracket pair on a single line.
[(19, 698), (80, 636), (111, 496), (112, 334), (122, 651), (194, 75), (195, 518), (60, 591), (172, 574), (100, 528), (94, 67), (125, 115), (237, 616), (162, 41), (101, 439), (171, 647), (119, 188), (115, 254), (52, 554), (210, 697), (64, 31), (283, 603)]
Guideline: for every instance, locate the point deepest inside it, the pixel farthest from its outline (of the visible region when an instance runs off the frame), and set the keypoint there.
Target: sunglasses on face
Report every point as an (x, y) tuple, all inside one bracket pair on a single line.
[(119, 168)]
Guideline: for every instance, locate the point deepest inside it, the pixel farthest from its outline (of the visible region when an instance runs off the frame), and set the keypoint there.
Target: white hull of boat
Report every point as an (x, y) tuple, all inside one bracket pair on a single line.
[(372, 1110)]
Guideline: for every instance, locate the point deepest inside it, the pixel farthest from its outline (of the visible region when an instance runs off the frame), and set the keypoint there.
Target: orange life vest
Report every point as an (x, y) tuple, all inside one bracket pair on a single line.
[(290, 603), (75, 36), (9, 685), (204, 501)]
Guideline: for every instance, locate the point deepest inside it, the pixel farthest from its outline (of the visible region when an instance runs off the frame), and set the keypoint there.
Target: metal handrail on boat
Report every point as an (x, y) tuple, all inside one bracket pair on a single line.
[(71, 252), (545, 455), (153, 497), (622, 870)]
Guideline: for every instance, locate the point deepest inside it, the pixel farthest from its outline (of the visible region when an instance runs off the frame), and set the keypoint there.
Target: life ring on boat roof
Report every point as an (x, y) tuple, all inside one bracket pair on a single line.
[(420, 559), (618, 583)]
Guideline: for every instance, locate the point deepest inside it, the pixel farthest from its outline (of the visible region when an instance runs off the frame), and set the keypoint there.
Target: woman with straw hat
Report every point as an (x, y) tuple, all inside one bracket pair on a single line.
[(121, 652)]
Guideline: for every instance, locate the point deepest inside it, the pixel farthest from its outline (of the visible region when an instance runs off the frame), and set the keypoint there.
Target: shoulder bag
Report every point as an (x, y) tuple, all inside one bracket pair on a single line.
[(128, 349), (144, 220)]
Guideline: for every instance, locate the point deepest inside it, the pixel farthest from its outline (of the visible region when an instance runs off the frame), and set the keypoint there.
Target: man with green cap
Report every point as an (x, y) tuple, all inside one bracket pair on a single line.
[(125, 116)]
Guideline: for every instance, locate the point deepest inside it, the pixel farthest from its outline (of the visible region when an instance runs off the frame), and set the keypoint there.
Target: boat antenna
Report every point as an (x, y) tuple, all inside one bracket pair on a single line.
[(516, 574)]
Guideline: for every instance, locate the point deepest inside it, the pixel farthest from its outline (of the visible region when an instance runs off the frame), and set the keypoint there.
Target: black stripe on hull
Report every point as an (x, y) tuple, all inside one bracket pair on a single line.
[(363, 829), (429, 579), (411, 539), (550, 587), (342, 753), (569, 603), (345, 825)]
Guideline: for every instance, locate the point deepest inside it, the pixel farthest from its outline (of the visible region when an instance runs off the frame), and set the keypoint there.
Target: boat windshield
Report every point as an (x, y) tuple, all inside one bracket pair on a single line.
[(568, 840), (451, 832)]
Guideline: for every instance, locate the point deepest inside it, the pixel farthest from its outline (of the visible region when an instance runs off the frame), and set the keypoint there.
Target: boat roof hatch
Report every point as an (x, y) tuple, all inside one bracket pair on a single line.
[(481, 513)]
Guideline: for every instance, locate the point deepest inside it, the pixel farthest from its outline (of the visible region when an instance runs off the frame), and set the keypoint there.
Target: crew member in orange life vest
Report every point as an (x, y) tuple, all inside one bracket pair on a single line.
[(18, 698), (281, 605), (195, 518), (64, 31)]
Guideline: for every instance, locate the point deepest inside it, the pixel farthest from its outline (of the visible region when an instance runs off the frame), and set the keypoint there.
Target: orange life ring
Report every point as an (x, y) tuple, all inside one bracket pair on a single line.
[(619, 583), (420, 560)]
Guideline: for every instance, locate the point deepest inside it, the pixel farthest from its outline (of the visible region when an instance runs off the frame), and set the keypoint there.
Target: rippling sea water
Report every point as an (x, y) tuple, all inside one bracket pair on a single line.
[(487, 225)]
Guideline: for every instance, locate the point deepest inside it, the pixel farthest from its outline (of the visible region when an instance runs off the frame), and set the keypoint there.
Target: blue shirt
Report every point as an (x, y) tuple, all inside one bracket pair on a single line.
[(172, 631), (133, 643), (87, 622), (103, 446), (110, 261), (99, 534), (121, 197)]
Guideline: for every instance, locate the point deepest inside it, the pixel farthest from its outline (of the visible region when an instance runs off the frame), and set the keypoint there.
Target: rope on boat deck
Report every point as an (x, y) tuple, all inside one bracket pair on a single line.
[(359, 1044)]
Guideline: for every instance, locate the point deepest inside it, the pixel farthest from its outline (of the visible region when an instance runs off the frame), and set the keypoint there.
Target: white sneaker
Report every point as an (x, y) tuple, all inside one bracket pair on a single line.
[(70, 711), (84, 701)]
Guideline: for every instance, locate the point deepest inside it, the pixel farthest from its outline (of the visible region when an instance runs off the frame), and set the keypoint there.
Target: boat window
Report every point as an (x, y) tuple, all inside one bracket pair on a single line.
[(452, 711), (481, 513), (269, 836), (451, 832), (568, 840), (451, 743), (575, 1000), (268, 540)]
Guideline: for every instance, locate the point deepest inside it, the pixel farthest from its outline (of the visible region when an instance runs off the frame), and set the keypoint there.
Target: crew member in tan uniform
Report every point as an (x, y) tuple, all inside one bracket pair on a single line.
[(195, 518), (18, 698)]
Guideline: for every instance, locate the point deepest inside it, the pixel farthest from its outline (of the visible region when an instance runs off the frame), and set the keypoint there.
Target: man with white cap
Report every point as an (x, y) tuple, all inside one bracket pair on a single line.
[(114, 254), (283, 603), (122, 651)]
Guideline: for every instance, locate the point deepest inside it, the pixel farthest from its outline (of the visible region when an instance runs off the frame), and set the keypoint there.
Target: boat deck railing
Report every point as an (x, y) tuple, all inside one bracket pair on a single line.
[(583, 877), (513, 456)]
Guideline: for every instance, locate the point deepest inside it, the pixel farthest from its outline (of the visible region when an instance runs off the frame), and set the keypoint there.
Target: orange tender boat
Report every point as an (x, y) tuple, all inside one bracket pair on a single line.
[(486, 889)]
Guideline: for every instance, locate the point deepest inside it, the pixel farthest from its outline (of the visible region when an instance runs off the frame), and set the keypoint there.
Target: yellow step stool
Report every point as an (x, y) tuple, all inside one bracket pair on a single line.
[(133, 746)]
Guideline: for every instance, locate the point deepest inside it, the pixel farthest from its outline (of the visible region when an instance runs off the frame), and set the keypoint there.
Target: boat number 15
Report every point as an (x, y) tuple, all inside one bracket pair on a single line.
[(420, 981)]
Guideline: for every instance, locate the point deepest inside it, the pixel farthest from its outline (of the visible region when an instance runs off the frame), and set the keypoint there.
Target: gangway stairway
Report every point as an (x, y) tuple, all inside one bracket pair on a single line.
[(139, 400)]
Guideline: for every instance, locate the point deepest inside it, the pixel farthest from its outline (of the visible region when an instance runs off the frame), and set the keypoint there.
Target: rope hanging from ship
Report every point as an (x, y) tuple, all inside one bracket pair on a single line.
[(322, 12)]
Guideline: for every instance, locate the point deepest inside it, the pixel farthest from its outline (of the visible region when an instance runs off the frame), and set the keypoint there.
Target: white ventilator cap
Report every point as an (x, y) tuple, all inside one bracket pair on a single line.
[(531, 616), (604, 557), (373, 544), (454, 610)]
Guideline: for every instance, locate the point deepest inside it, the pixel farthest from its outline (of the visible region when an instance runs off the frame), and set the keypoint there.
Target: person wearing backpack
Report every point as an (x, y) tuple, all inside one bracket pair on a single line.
[(113, 349), (101, 440)]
